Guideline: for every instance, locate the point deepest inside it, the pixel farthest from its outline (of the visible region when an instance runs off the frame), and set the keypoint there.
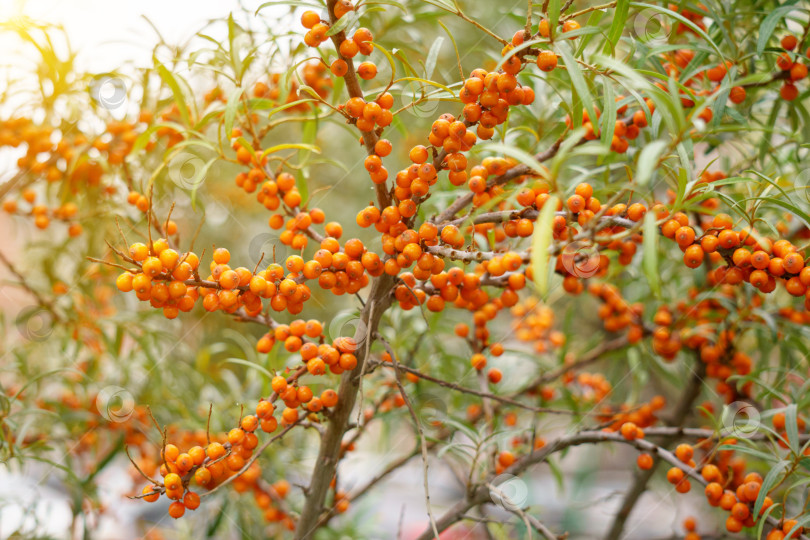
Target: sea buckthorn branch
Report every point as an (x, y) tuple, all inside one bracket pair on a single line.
[(396, 218), (529, 521), (643, 477), (584, 11), (420, 432), (388, 470), (43, 302), (458, 388), (532, 213), (519, 170), (482, 495), (370, 136), (594, 355), (329, 450), (256, 455)]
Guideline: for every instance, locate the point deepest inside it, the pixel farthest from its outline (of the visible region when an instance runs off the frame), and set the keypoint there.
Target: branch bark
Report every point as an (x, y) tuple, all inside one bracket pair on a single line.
[(482, 494), (370, 138), (379, 300), (639, 486)]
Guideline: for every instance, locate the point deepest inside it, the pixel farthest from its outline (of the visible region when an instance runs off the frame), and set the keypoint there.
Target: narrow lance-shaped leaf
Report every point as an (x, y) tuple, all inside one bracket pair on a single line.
[(792, 427), (648, 162), (343, 23), (617, 26), (577, 80), (230, 109), (769, 25), (541, 242), (433, 56), (649, 261), (179, 97), (769, 482)]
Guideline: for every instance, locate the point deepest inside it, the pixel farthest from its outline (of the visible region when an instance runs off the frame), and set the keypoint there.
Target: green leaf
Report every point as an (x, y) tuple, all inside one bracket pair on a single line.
[(218, 520), (648, 161), (246, 363), (695, 28), (649, 262), (179, 98), (432, 57), (577, 80), (288, 146), (343, 23), (425, 81), (289, 105), (553, 16), (746, 450), (769, 25), (505, 149), (541, 241), (792, 428), (763, 519), (768, 483), (787, 206), (617, 26), (230, 109), (203, 172), (608, 120), (801, 522)]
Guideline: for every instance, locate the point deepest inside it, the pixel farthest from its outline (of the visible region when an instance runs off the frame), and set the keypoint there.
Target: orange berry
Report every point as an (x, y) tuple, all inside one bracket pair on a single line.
[(675, 475), (236, 436), (629, 431), (546, 60), (310, 19), (644, 461), (177, 509), (684, 452), (693, 256), (191, 500)]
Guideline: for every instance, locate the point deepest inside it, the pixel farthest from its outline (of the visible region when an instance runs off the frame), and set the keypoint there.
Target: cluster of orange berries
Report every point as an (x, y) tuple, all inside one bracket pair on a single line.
[(587, 387), (47, 160), (271, 191), (365, 116), (294, 395), (624, 130), (533, 322), (695, 17), (733, 490), (697, 329), (487, 97), (736, 491), (42, 214), (338, 357), (161, 277), (359, 43), (210, 463), (640, 416), (737, 497), (164, 276), (616, 313), (479, 180), (314, 74), (794, 70), (677, 61), (749, 256), (211, 460), (241, 287)]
